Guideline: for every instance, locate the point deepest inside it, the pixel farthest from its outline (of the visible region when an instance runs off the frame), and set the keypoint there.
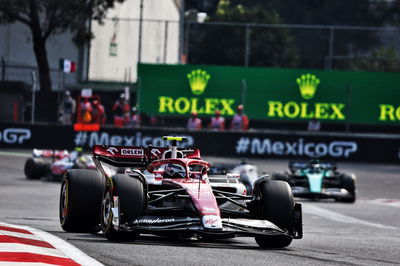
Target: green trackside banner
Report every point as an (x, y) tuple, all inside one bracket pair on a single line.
[(270, 93)]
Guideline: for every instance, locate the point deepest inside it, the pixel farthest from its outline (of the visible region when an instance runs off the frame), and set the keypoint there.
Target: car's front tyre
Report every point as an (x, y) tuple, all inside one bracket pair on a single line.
[(276, 206), (128, 193)]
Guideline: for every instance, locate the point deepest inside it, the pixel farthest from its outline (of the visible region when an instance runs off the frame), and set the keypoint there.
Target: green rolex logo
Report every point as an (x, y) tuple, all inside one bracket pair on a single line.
[(198, 80), (308, 85)]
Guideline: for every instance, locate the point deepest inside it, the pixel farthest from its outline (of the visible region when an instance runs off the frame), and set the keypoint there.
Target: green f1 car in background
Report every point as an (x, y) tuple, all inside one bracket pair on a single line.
[(319, 180)]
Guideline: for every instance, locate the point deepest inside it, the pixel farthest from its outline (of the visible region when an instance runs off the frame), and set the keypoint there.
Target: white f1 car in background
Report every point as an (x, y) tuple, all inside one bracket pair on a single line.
[(247, 173)]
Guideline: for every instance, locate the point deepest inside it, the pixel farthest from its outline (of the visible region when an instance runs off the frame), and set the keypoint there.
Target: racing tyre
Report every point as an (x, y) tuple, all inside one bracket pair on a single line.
[(80, 200), (128, 193), (35, 168), (348, 183), (276, 206), (280, 176)]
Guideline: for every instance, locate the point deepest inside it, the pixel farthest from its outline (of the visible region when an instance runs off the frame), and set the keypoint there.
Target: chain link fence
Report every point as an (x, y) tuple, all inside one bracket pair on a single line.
[(301, 46), (240, 44), (271, 45)]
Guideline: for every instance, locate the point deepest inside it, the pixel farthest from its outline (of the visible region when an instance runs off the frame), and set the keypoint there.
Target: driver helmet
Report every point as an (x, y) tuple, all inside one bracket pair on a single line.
[(174, 171)]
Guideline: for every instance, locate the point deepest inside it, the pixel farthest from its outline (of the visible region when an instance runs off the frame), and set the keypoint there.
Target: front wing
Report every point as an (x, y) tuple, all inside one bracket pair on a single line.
[(230, 226), (326, 193)]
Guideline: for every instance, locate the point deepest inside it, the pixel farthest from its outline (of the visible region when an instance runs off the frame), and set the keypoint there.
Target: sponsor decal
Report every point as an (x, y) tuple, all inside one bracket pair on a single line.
[(212, 222), (89, 139), (308, 85), (198, 80), (154, 220), (15, 135), (112, 150), (388, 112), (209, 209), (131, 152), (184, 105), (156, 153), (336, 149)]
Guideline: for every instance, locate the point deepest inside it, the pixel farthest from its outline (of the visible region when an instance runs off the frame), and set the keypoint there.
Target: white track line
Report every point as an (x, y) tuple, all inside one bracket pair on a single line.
[(17, 247), (63, 246), (22, 235), (337, 217)]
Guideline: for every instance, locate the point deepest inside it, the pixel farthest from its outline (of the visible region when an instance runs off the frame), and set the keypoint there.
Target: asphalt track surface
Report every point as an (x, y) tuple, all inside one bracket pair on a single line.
[(364, 233)]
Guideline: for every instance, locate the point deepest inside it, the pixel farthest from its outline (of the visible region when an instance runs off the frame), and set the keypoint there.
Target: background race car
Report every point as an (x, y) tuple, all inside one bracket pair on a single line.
[(53, 163), (167, 191), (247, 173), (315, 179)]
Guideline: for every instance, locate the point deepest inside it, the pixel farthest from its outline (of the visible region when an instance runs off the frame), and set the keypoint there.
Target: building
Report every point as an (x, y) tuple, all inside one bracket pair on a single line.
[(111, 56)]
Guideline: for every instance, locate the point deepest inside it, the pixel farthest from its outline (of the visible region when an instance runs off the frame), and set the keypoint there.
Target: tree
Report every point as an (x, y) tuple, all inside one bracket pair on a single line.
[(313, 44), (225, 44), (50, 17), (385, 59)]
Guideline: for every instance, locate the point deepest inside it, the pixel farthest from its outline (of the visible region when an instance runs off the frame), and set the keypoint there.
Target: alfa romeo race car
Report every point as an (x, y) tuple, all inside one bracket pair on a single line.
[(167, 191), (54, 163), (316, 180)]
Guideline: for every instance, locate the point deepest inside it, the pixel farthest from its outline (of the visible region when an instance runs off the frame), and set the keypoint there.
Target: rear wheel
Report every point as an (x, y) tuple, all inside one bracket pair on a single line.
[(348, 183), (128, 193), (80, 200), (276, 206), (35, 168)]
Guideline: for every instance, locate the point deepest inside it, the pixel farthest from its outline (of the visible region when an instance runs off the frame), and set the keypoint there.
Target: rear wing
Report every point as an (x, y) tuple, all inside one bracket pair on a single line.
[(305, 164), (131, 156), (54, 154)]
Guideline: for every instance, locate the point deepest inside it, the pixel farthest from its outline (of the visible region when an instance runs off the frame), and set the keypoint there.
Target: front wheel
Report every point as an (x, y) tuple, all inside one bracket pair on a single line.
[(126, 197), (348, 183), (276, 206), (280, 176)]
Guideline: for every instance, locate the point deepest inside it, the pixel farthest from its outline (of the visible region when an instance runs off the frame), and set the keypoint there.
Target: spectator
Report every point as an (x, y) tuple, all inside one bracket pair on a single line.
[(67, 109), (153, 120), (134, 120), (240, 121), (217, 121), (194, 123), (99, 114), (86, 109), (121, 111), (314, 125)]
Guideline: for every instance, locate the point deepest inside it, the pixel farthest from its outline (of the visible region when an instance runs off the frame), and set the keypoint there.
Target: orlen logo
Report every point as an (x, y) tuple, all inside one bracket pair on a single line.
[(131, 151), (15, 135)]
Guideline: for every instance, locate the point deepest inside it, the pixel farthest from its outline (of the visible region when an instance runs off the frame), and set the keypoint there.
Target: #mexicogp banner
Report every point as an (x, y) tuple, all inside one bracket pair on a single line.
[(271, 93)]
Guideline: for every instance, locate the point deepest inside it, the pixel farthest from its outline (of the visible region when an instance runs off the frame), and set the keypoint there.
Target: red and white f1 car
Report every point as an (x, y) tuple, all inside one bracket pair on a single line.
[(167, 191), (54, 163)]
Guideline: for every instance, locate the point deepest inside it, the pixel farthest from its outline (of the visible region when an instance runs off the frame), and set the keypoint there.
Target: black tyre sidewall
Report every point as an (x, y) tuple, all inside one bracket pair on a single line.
[(131, 205), (348, 183), (276, 206), (85, 192), (280, 176), (35, 168)]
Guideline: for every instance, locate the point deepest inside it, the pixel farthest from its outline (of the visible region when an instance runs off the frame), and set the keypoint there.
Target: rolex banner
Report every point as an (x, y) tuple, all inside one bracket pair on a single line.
[(271, 93)]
